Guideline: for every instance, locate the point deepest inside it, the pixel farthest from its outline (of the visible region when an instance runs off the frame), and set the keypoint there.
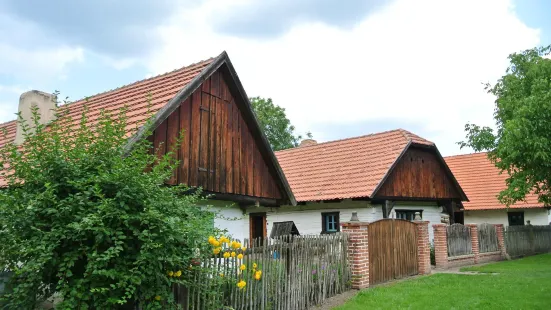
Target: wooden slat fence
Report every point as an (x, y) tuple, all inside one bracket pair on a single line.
[(487, 238), (527, 240), (297, 272), (459, 240)]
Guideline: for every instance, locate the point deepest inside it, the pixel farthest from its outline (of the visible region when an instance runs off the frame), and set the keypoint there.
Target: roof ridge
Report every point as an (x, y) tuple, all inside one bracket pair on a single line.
[(468, 154), (142, 80), (339, 140), (405, 133), (6, 122)]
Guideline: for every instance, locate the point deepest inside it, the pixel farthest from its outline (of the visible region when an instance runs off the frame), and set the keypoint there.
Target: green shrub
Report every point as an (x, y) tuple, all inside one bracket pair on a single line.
[(91, 220)]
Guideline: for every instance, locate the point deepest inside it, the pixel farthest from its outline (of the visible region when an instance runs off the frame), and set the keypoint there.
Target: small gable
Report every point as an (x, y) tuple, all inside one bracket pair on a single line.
[(419, 174), (220, 151)]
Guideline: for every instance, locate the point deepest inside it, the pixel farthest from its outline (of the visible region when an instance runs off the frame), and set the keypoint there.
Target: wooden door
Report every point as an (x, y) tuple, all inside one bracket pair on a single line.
[(257, 226), (392, 250)]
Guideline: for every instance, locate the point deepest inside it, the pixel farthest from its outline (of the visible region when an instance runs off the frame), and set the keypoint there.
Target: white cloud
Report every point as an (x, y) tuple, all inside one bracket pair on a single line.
[(418, 61)]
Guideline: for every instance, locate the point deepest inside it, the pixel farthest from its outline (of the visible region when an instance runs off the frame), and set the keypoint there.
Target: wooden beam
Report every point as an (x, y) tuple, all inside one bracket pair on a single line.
[(387, 207)]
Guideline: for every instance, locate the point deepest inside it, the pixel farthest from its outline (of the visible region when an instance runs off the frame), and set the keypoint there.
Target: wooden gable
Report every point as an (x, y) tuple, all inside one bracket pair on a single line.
[(220, 152), (419, 174)]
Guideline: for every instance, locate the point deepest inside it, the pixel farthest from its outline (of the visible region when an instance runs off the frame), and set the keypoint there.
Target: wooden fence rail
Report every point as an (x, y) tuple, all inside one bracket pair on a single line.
[(296, 272), (527, 240), (487, 238), (459, 240)]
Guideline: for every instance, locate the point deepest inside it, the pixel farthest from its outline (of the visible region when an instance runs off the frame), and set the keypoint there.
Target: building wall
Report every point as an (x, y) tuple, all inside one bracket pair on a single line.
[(536, 216), (229, 217), (431, 212)]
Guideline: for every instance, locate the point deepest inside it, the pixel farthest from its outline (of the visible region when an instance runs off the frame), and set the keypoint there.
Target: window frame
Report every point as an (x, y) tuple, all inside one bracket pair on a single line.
[(511, 214), (324, 227), (408, 211)]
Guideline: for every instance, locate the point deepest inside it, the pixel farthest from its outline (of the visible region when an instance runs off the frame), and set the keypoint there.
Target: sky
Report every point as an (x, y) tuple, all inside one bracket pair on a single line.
[(339, 68)]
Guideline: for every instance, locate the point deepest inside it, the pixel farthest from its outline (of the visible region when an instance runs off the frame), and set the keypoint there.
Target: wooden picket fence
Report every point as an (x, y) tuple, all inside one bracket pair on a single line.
[(297, 272), (527, 240), (459, 240), (487, 238)]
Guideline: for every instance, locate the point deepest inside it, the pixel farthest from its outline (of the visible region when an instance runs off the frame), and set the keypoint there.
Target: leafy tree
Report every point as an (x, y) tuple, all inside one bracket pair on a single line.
[(521, 146), (94, 223), (275, 124)]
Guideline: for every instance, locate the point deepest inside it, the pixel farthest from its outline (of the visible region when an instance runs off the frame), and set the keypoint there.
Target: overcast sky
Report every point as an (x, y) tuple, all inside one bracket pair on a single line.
[(340, 68)]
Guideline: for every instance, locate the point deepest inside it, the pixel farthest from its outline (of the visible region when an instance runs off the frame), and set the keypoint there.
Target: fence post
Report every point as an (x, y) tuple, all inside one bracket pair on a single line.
[(358, 253), (474, 241), (440, 245), (423, 247), (501, 240)]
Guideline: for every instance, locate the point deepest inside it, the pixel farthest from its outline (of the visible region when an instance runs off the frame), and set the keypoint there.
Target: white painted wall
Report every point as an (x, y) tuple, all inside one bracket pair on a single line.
[(536, 216), (230, 217), (431, 213)]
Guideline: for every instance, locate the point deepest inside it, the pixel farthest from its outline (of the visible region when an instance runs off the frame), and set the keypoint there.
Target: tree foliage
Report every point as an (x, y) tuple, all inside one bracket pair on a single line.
[(275, 124), (85, 219), (521, 145)]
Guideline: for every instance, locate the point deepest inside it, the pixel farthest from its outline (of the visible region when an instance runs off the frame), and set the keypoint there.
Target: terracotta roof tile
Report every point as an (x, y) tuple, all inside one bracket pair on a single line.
[(482, 182), (347, 168), (134, 96)]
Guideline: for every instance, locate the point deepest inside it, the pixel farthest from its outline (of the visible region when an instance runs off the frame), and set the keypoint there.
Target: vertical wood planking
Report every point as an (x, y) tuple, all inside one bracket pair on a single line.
[(228, 147), (204, 141), (173, 132), (195, 138), (159, 142), (213, 132), (243, 160), (221, 146), (185, 128)]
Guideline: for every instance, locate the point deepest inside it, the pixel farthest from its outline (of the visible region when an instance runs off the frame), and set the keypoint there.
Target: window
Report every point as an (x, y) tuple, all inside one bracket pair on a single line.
[(408, 214), (330, 222), (516, 218)]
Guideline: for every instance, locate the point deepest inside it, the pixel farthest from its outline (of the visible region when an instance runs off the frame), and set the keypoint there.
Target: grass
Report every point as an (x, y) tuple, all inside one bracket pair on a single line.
[(520, 284)]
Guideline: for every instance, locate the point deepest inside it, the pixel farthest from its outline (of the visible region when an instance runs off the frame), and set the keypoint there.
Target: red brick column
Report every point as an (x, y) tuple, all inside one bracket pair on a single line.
[(358, 253), (423, 247), (501, 239), (440, 245), (474, 241)]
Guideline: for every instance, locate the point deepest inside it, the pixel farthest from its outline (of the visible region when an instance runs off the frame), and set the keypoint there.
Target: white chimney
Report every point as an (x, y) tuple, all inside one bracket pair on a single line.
[(308, 142), (46, 104)]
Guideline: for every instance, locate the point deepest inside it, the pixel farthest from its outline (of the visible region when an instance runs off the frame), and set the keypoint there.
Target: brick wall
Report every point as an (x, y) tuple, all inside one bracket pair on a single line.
[(441, 248), (423, 247), (358, 253)]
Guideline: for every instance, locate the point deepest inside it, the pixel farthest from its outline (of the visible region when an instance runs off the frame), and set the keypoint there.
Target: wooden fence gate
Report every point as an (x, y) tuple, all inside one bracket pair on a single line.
[(392, 250)]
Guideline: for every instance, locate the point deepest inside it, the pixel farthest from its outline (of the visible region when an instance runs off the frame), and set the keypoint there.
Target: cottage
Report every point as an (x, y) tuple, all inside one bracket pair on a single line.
[(393, 174), (224, 150), (482, 182)]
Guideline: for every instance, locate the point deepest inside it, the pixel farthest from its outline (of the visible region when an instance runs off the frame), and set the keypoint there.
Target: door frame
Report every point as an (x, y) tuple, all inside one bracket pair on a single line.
[(257, 214)]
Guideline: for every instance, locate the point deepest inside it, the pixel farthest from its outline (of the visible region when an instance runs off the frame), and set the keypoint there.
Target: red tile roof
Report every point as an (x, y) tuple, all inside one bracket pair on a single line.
[(135, 96), (482, 182), (347, 168)]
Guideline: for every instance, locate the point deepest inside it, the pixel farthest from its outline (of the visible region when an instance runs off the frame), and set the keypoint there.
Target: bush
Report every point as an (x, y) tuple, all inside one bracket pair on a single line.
[(86, 218), (432, 255)]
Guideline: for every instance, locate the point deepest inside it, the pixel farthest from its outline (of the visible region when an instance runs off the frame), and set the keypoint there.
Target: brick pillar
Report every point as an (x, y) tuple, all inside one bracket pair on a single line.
[(474, 241), (423, 247), (501, 240), (440, 245), (358, 253)]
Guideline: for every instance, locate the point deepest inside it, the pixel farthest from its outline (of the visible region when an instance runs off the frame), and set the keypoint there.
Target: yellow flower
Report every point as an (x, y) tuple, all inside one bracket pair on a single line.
[(240, 256), (178, 273), (157, 298), (216, 251), (232, 254), (170, 273), (223, 239), (243, 249), (242, 267), (221, 275), (211, 239), (215, 243), (255, 265), (241, 284), (235, 244), (258, 275), (226, 255)]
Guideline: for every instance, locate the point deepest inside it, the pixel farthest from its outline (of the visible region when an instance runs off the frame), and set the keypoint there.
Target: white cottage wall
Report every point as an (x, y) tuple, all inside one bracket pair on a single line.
[(536, 216)]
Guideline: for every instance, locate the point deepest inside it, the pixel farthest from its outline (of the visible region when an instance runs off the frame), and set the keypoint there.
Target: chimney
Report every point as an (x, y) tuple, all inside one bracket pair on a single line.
[(308, 142), (46, 104)]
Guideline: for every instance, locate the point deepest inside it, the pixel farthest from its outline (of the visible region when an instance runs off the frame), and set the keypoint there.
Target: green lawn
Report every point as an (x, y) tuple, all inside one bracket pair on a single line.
[(520, 284)]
